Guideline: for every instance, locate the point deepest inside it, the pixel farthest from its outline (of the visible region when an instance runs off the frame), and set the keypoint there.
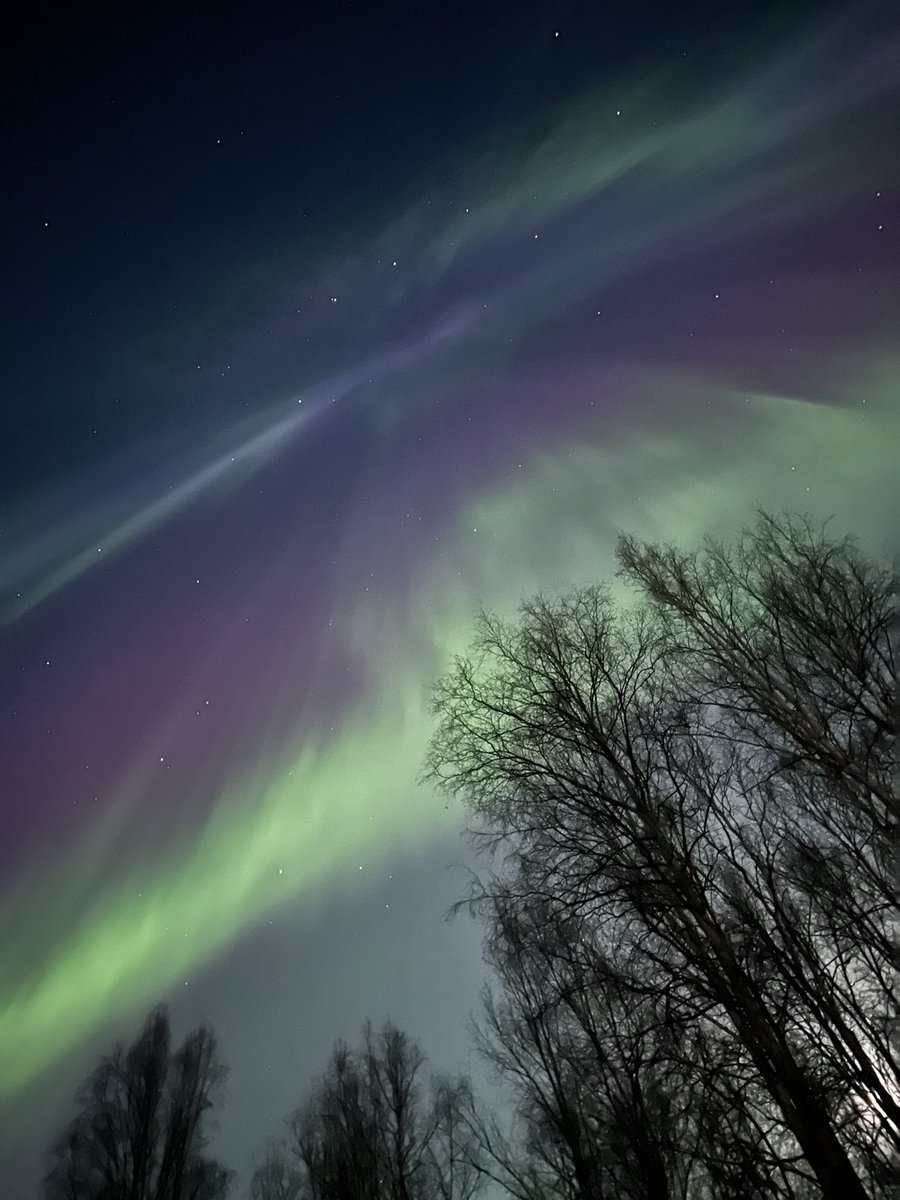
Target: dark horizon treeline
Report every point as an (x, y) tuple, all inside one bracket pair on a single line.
[(691, 799)]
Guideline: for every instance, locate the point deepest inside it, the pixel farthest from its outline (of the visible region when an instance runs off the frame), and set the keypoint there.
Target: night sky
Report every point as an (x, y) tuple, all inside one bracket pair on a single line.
[(322, 328)]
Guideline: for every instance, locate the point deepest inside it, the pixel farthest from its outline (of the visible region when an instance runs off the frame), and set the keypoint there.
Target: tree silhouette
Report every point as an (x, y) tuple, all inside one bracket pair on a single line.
[(276, 1177), (704, 779), (138, 1133), (368, 1131), (616, 1093)]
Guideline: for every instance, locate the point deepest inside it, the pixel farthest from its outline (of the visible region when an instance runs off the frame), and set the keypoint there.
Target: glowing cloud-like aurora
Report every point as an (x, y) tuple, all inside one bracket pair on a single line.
[(283, 831), (606, 321)]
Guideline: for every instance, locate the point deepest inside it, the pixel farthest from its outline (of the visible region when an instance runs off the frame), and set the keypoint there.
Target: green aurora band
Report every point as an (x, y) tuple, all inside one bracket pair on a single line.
[(552, 524)]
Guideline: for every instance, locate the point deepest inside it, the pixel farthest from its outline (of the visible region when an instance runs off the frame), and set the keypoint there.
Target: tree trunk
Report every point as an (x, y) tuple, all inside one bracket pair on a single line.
[(788, 1085)]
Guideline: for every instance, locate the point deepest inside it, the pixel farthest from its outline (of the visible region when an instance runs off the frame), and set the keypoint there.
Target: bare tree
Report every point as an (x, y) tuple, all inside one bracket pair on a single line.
[(680, 772), (454, 1165), (139, 1130), (367, 1132), (789, 629), (615, 1096), (788, 635), (276, 1178)]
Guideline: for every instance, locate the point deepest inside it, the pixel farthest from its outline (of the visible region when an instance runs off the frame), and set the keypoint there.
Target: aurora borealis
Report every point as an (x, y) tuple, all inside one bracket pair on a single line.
[(268, 452)]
